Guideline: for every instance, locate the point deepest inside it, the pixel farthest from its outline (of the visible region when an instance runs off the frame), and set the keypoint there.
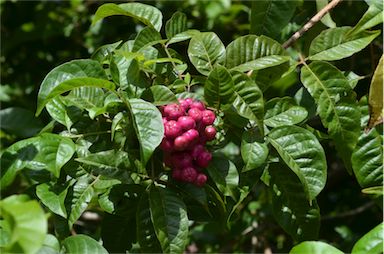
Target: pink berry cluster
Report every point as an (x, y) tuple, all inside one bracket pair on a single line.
[(187, 128)]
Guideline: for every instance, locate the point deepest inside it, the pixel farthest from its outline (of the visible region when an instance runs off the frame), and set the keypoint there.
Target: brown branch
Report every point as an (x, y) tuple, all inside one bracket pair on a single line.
[(349, 213), (310, 23)]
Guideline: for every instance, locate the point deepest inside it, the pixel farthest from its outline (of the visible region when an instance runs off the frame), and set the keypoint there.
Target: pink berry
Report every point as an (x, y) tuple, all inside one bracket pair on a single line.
[(208, 117), (182, 160), (210, 133), (189, 174), (177, 174), (201, 179), (192, 135), (173, 111), (181, 143), (165, 120), (166, 145), (185, 103), (198, 104), (197, 150), (204, 159), (196, 114), (186, 122), (172, 129)]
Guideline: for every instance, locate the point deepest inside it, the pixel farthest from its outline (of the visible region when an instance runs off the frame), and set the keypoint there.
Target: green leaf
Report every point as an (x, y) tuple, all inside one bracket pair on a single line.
[(334, 44), (27, 223), (283, 111), (145, 230), (186, 35), (296, 216), (50, 246), (78, 198), (336, 105), (302, 152), (146, 14), (269, 17), (253, 152), (60, 112), (111, 163), (14, 121), (376, 190), (169, 217), (372, 17), (146, 37), (314, 248), (159, 95), (104, 51), (367, 159), (47, 151), (251, 52), (376, 96), (148, 125), (371, 242), (53, 197), (205, 50), (224, 174), (219, 87), (66, 77), (249, 101), (82, 244), (326, 19), (176, 24)]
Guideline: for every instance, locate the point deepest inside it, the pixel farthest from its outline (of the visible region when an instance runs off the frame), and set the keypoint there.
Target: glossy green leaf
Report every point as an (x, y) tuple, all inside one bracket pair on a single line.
[(326, 19), (314, 248), (334, 44), (283, 111), (376, 190), (78, 198), (296, 216), (372, 17), (60, 112), (336, 105), (224, 174), (111, 163), (249, 101), (251, 52), (367, 159), (205, 50), (66, 77), (159, 95), (27, 223), (169, 217), (14, 121), (219, 87), (145, 230), (176, 24), (50, 246), (104, 51), (148, 125), (302, 152), (375, 98), (53, 197), (146, 37), (186, 35), (47, 151), (371, 242), (269, 17), (146, 14), (84, 244), (86, 97), (253, 152)]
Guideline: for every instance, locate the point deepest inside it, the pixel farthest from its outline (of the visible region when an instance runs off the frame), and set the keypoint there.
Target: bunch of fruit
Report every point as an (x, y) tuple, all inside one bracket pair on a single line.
[(187, 128)]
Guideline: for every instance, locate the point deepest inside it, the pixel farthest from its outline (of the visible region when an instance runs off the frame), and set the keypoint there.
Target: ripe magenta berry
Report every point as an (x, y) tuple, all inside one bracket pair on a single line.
[(192, 135), (186, 122), (173, 111), (181, 143), (182, 160), (204, 159), (208, 117), (166, 145), (172, 129), (201, 179), (197, 150), (185, 103), (198, 104), (196, 114), (210, 133), (189, 174)]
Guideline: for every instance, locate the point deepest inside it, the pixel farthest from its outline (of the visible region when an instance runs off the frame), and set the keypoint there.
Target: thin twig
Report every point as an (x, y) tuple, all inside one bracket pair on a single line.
[(349, 213), (310, 23)]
